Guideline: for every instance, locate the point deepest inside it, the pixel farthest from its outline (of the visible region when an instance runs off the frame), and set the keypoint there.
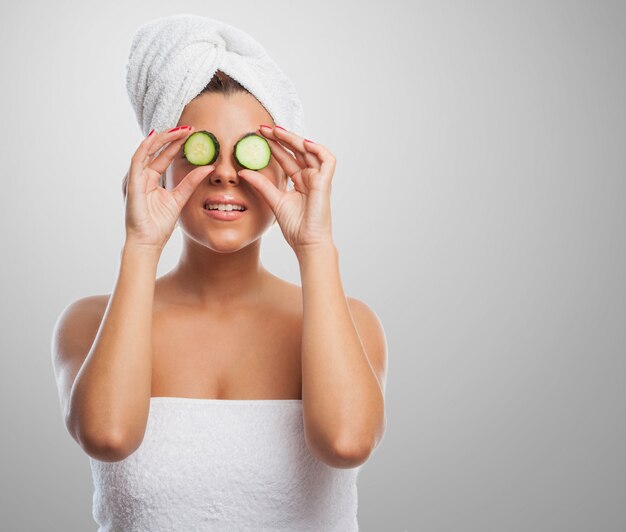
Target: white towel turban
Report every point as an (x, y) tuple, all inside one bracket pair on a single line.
[(173, 58)]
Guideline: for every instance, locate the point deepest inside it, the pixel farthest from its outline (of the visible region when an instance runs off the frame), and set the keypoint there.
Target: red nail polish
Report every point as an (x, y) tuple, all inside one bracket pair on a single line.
[(269, 127), (150, 132), (281, 128), (307, 140)]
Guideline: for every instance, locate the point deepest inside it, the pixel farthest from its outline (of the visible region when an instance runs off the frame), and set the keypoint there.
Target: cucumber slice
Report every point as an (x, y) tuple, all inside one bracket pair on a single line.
[(201, 148), (252, 151)]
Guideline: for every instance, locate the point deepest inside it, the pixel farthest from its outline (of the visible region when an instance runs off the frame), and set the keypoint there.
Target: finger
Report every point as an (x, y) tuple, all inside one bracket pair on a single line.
[(266, 188), (161, 155), (284, 158), (161, 162), (140, 174), (144, 146), (308, 161), (292, 168), (302, 156), (157, 147), (329, 162), (295, 143), (302, 161), (298, 184), (152, 180), (136, 177), (183, 191)]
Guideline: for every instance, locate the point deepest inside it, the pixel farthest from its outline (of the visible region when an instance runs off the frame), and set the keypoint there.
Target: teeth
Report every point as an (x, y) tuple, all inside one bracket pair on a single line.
[(223, 207)]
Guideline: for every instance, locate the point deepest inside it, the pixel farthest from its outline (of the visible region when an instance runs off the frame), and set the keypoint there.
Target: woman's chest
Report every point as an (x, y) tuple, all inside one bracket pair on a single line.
[(246, 355)]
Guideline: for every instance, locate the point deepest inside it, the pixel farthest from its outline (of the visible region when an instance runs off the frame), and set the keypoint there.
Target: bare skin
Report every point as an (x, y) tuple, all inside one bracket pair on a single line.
[(219, 325), (248, 351), (204, 354), (225, 327)]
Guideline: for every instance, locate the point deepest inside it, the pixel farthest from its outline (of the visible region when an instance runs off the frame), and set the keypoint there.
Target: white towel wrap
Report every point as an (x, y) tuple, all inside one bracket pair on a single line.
[(224, 465), (173, 58)]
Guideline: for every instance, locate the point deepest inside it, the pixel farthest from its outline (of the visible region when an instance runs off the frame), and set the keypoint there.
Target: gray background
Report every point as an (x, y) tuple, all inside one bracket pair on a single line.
[(477, 208)]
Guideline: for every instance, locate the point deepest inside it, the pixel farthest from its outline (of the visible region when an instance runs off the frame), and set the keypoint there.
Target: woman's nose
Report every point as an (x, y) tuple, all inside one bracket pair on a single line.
[(225, 171)]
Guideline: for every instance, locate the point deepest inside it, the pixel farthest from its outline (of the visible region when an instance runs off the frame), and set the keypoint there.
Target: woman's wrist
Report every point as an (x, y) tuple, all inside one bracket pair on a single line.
[(141, 250), (315, 251)]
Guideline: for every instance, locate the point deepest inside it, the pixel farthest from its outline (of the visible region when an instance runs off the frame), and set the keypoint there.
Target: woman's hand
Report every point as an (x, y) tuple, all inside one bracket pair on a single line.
[(303, 213), (151, 210)]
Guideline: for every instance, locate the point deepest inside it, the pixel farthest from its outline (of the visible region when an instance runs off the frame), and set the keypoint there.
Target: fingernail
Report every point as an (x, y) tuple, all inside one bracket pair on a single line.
[(150, 132), (268, 127), (281, 128), (307, 140)]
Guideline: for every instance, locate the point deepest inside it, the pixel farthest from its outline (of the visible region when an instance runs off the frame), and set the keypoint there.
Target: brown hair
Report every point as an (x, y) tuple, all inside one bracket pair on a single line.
[(220, 83)]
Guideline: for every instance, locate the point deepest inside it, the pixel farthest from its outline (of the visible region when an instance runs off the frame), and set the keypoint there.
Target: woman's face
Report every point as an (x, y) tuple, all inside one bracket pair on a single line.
[(229, 119)]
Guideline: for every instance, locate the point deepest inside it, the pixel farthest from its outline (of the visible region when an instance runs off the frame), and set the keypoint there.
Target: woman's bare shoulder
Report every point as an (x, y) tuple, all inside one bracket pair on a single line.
[(74, 332), (82, 315), (94, 305)]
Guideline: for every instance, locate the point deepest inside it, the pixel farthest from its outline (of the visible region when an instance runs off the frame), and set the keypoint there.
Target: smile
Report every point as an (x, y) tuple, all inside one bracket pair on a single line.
[(225, 215)]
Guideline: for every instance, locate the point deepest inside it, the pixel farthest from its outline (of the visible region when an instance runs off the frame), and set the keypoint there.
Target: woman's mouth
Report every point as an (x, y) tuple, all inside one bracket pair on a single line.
[(226, 212)]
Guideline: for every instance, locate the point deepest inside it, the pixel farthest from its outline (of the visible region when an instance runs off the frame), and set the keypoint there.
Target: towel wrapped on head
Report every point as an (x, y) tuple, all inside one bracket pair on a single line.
[(173, 58)]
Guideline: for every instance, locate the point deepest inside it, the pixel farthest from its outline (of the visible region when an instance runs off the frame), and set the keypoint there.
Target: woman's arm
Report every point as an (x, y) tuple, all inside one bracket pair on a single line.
[(109, 400), (343, 374), (343, 399)]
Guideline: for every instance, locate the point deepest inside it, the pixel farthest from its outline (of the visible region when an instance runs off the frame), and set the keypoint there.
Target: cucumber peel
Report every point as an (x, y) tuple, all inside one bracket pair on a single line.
[(201, 148), (253, 151)]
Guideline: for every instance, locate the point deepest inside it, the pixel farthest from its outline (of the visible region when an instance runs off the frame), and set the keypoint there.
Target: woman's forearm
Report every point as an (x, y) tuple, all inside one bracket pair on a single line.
[(343, 404), (110, 398)]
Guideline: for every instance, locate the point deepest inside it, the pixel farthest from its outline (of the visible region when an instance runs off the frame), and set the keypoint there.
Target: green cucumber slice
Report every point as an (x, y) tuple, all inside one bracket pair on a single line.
[(201, 148), (252, 151)]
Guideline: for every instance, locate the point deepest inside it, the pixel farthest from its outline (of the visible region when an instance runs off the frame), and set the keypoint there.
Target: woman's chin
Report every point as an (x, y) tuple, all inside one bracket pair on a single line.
[(226, 237), (229, 241)]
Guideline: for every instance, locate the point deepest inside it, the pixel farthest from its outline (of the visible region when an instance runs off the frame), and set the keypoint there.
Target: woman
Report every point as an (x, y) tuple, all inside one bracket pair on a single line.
[(220, 396)]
